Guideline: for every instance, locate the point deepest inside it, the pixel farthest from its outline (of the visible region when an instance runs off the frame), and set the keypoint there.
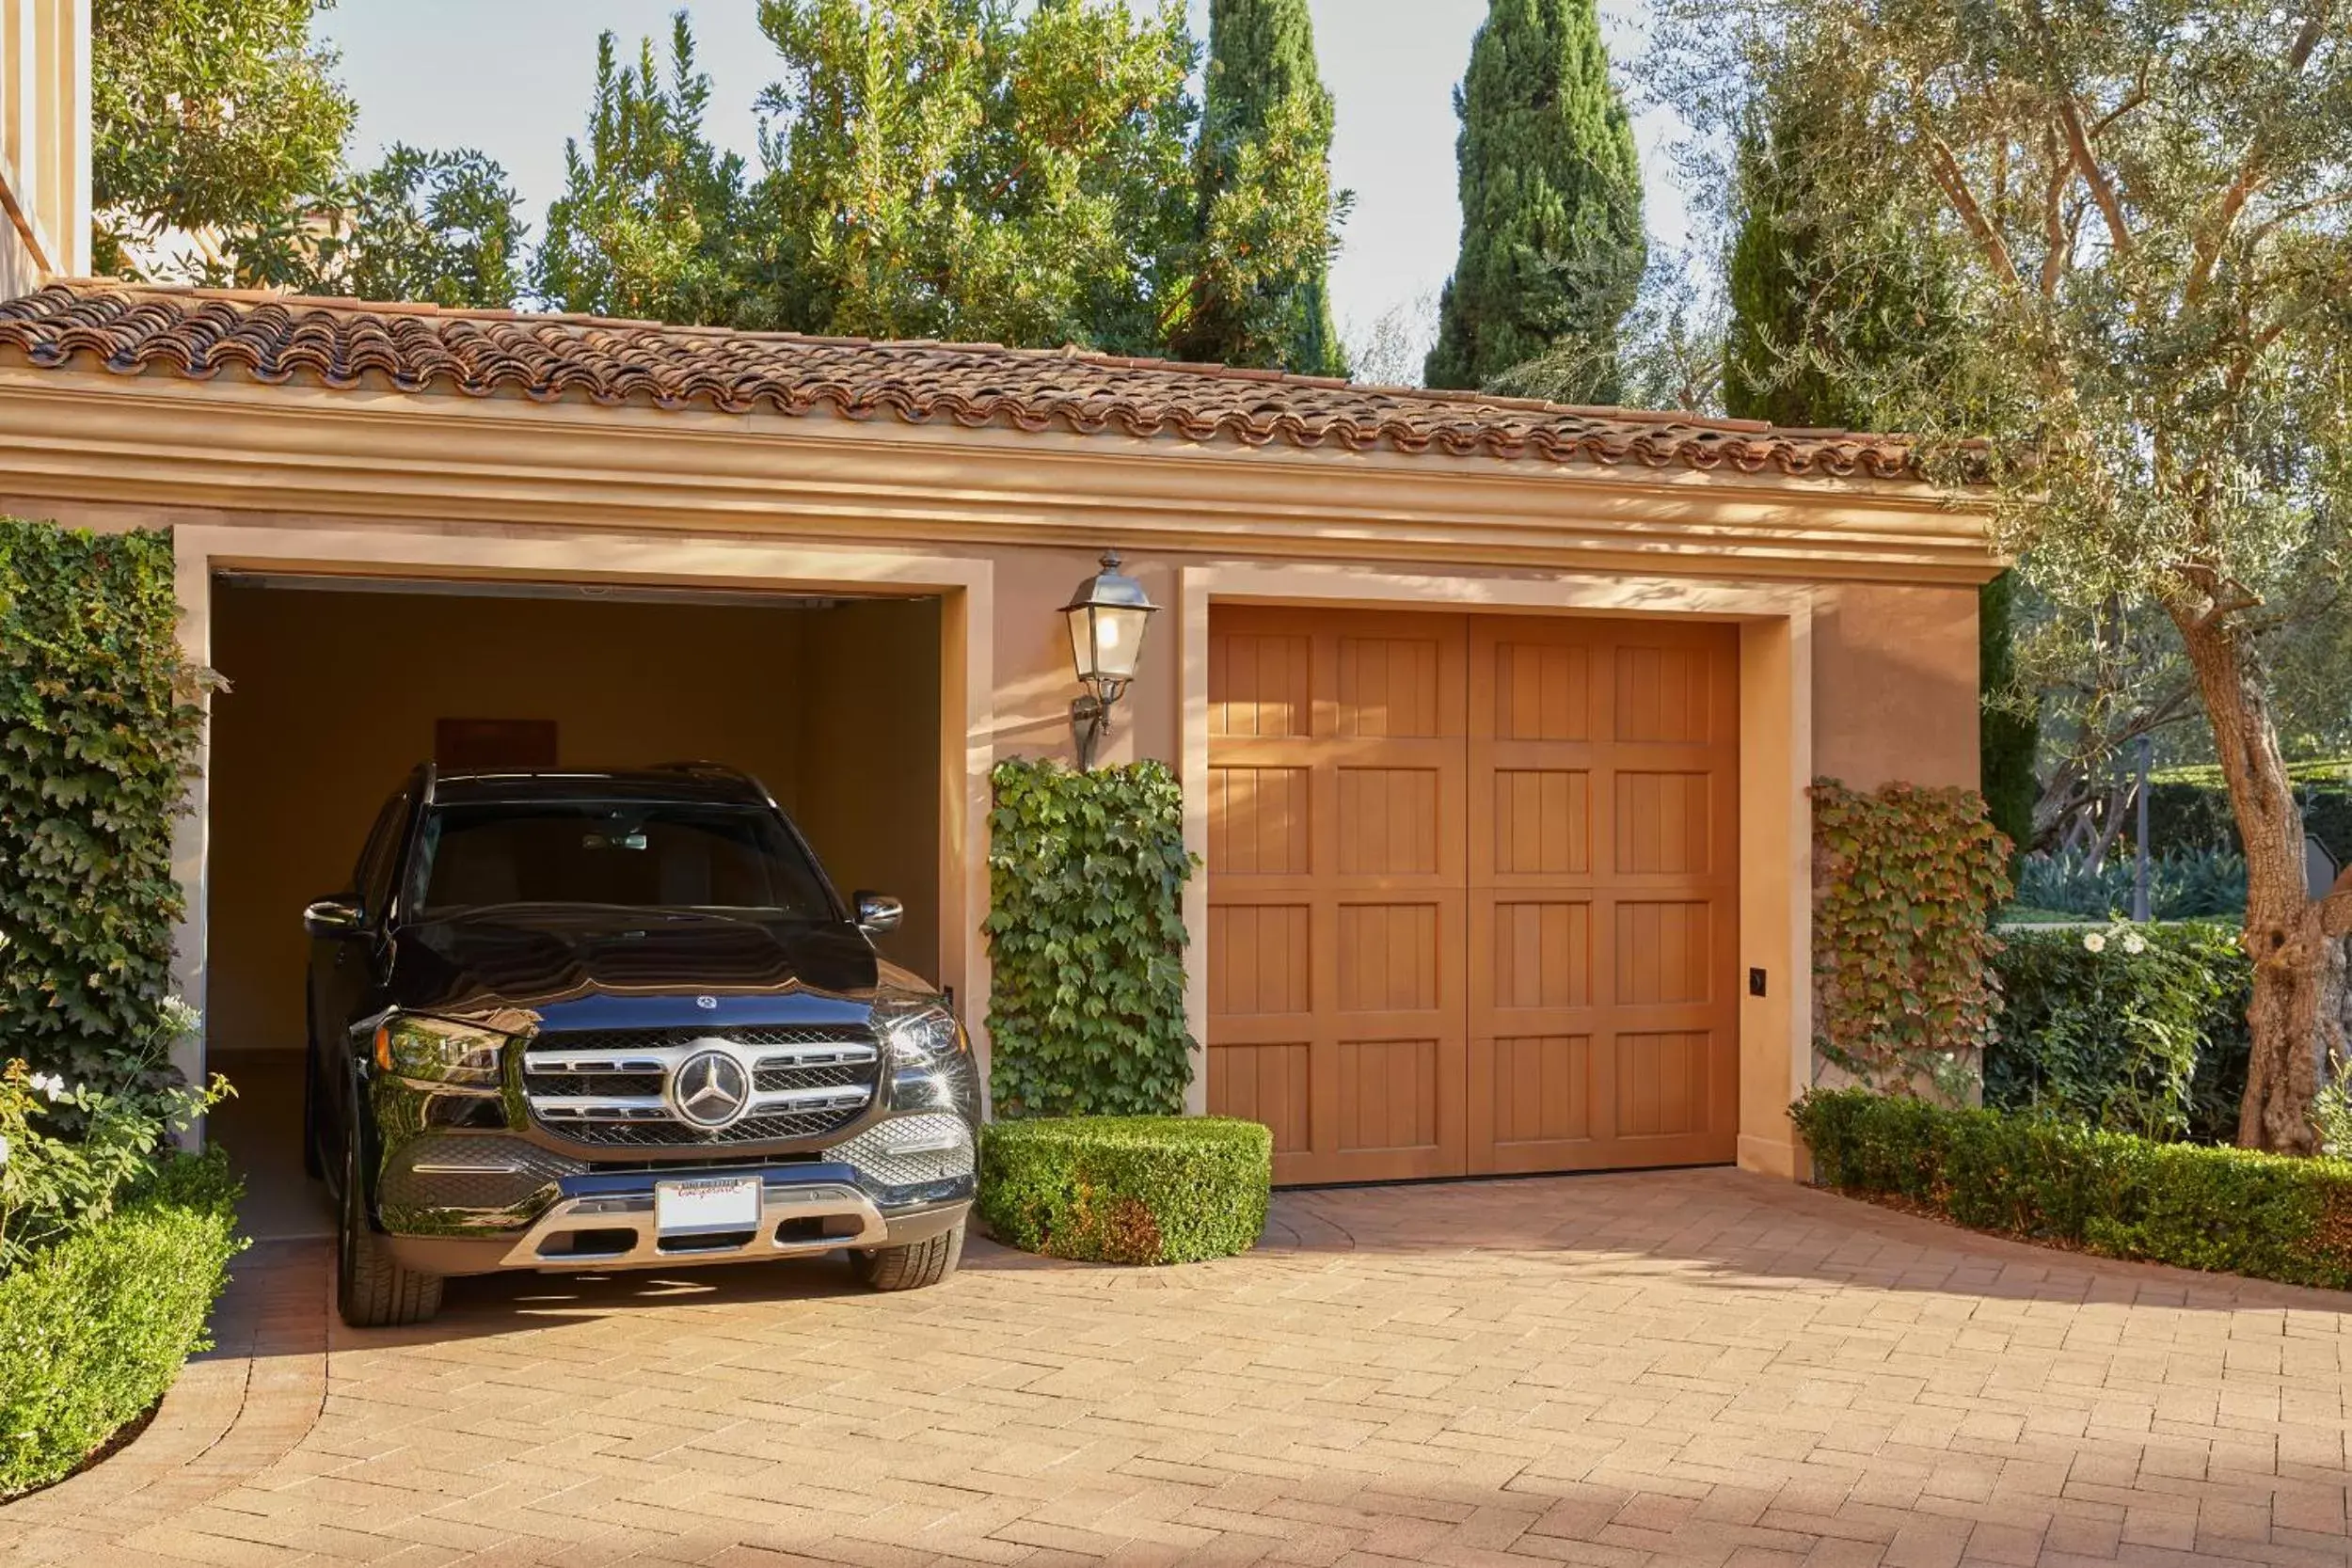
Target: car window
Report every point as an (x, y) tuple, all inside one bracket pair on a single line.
[(676, 855), (372, 877)]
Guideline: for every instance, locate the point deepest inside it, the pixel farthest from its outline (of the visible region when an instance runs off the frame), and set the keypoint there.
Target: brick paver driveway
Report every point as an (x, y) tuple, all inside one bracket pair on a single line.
[(1704, 1368)]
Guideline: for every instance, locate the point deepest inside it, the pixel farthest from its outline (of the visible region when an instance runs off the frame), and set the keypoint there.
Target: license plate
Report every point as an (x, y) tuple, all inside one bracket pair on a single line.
[(699, 1207)]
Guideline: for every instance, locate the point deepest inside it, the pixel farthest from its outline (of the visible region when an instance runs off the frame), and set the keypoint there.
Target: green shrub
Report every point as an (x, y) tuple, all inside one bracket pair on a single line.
[(1086, 874), (2109, 1026), (99, 730), (1127, 1189), (93, 1329), (2226, 1210), (54, 1184)]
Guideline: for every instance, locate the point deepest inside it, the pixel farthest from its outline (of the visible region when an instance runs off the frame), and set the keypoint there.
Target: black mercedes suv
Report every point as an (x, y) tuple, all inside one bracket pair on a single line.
[(579, 1022)]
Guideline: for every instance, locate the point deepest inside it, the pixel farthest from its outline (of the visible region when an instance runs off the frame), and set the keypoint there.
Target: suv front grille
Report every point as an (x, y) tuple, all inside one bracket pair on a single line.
[(612, 1088)]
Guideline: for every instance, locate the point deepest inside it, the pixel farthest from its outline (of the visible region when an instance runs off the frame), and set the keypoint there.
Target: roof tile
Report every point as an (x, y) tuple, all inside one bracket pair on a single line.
[(197, 334)]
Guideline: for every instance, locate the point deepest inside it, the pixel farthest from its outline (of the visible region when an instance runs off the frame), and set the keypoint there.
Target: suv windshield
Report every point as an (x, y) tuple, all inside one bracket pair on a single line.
[(634, 853)]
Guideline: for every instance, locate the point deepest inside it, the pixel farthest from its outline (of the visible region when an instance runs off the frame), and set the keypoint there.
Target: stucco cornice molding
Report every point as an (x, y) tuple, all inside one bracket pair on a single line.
[(99, 440)]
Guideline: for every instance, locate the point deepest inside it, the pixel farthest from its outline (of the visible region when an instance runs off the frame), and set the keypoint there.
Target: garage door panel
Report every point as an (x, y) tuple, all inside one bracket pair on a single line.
[(1542, 821), (1391, 956), (1261, 961), (1266, 1083), (1261, 688), (1664, 824), (1664, 693), (1542, 1089), (1260, 821), (1535, 688), (1643, 846), (1665, 952), (1392, 822), (1541, 954), (1391, 688), (1508, 849)]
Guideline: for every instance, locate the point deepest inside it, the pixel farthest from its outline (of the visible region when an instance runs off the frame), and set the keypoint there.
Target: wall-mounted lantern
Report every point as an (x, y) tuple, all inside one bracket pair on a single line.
[(1107, 615)]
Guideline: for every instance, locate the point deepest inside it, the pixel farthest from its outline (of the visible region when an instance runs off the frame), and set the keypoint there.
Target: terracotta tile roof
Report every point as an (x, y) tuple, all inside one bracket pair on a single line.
[(197, 334)]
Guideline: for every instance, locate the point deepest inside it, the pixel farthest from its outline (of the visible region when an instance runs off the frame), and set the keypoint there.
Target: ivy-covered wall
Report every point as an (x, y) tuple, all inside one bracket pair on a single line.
[(1086, 873), (99, 729), (1905, 883)]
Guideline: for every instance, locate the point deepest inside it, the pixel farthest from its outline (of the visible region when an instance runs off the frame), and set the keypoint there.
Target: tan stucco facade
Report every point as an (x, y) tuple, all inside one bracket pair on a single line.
[(1855, 599)]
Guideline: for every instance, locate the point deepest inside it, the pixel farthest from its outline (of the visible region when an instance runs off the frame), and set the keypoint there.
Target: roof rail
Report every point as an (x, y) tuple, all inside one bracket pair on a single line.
[(701, 765)]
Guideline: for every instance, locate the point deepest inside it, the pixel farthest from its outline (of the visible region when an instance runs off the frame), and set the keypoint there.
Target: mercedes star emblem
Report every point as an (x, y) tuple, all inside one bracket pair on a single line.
[(710, 1089), (707, 1004)]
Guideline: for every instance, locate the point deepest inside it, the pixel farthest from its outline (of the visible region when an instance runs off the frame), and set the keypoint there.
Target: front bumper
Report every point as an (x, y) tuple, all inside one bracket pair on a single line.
[(459, 1203), (605, 1220)]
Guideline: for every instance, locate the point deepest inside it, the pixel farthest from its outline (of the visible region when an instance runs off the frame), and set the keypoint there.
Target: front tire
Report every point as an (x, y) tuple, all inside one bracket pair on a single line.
[(910, 1267), (372, 1287)]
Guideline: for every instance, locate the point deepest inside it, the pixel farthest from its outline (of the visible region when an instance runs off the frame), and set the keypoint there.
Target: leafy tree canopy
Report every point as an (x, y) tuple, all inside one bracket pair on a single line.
[(651, 221), (973, 169), (207, 114), (219, 137), (2146, 202)]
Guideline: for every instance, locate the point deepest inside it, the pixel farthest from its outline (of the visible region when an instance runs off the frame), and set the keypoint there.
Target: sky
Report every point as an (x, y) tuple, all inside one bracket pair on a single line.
[(521, 86)]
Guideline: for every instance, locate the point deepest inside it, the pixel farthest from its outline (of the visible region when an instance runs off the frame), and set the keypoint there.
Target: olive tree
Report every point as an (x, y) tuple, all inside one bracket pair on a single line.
[(2149, 200)]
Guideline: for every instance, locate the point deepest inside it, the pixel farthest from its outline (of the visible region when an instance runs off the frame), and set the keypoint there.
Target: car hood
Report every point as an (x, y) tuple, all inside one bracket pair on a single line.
[(628, 968)]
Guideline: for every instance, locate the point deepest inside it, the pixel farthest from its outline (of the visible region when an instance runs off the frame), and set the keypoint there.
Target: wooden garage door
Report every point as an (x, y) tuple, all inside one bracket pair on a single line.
[(1472, 890)]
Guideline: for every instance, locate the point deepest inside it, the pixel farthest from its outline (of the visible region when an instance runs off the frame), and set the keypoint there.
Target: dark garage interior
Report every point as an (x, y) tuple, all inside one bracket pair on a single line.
[(335, 688)]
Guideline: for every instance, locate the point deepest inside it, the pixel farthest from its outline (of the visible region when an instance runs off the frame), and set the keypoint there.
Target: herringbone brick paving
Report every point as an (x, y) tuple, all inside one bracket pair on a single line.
[(1702, 1367)]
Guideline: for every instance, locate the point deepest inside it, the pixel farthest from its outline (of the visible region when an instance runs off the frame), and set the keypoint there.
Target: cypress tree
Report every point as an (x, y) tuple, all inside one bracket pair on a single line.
[(1807, 348), (1263, 161), (1553, 246)]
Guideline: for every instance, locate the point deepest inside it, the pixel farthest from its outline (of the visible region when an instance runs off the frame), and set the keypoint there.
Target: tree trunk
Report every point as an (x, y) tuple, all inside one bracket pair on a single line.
[(2296, 1018)]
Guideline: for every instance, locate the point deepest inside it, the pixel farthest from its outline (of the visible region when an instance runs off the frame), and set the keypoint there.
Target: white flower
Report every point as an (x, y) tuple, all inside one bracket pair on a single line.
[(52, 1084), (2094, 942), (3, 1151), (2135, 943)]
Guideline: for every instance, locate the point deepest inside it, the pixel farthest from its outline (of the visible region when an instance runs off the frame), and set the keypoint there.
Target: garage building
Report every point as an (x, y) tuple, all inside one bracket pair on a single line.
[(1493, 718)]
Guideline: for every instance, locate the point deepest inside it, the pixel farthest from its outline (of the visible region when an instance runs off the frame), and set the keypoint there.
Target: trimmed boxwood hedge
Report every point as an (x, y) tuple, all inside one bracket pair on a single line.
[(1126, 1189), (93, 1330), (2227, 1210)]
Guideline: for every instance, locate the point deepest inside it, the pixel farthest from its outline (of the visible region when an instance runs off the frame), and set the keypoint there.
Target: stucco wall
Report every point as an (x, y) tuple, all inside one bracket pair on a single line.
[(1894, 671), (1895, 685), (332, 698), (865, 786)]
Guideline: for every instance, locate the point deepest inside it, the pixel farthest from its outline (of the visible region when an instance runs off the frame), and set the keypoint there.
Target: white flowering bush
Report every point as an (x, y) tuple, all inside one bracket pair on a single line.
[(2124, 1027), (68, 1152)]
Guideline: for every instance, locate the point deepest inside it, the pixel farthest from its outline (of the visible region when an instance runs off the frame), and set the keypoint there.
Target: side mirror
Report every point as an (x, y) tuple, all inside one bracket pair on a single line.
[(878, 912), (331, 917)]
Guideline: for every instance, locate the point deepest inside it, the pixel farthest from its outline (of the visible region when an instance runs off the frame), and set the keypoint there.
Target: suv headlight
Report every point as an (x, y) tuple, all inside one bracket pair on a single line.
[(439, 1050), (918, 1031)]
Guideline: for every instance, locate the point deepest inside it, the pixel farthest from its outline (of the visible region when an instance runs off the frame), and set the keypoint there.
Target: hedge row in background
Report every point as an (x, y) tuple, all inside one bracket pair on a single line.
[(2184, 817), (2130, 1028), (1086, 874), (2227, 1210), (93, 1329), (1126, 1189), (98, 735)]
